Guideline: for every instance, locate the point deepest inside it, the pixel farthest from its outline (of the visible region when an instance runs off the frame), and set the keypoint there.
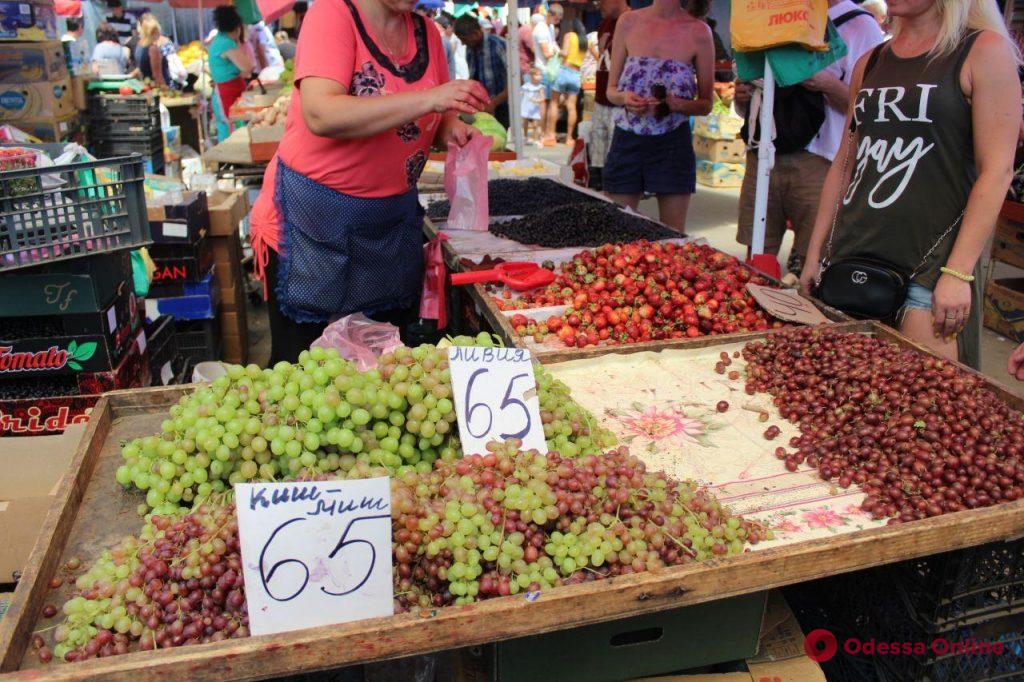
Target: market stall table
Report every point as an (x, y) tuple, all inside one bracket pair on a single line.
[(92, 510), (182, 115)]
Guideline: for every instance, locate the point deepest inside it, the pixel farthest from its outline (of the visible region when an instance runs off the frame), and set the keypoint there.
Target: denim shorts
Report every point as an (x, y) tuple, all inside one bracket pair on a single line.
[(918, 298), (567, 81), (659, 164)]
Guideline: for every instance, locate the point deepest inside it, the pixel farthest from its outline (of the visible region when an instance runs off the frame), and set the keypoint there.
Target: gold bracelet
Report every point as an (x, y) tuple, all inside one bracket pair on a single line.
[(956, 273)]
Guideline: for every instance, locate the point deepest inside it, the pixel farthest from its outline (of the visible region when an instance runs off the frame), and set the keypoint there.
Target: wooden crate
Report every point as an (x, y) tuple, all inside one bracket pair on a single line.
[(91, 511)]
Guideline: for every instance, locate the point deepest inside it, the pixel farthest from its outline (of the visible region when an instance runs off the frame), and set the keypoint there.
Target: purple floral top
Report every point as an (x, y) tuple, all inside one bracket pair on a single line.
[(640, 75)]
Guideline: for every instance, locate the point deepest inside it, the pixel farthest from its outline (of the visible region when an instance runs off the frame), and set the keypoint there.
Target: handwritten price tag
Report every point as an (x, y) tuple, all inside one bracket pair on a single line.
[(315, 552), (495, 397), (786, 304)]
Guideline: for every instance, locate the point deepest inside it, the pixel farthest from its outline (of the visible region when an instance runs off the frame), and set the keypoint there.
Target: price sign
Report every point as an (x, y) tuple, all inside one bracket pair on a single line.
[(786, 304), (495, 397), (315, 552)]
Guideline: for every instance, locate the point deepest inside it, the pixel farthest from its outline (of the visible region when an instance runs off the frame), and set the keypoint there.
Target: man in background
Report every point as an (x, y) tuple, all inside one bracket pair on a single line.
[(485, 57), (76, 46), (526, 60), (602, 124), (804, 154), (121, 20)]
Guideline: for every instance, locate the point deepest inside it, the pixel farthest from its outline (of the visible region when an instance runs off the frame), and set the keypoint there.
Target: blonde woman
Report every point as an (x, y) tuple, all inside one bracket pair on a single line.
[(920, 183), (152, 63)]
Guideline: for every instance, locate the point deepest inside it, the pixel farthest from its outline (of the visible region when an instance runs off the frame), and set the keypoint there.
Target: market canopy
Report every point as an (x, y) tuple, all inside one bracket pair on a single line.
[(68, 8)]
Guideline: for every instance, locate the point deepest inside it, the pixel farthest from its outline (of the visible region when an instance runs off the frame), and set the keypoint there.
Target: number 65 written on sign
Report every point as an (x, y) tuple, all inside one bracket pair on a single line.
[(507, 401), (286, 580)]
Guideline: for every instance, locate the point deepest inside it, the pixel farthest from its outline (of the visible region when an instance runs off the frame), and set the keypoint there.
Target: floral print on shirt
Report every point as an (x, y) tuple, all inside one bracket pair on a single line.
[(640, 75)]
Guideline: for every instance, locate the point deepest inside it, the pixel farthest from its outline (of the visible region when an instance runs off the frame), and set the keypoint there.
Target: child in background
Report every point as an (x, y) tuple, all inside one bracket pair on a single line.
[(533, 98)]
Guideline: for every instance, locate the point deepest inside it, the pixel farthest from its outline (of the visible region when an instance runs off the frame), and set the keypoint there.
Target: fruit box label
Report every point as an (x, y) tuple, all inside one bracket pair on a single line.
[(44, 416), (54, 356)]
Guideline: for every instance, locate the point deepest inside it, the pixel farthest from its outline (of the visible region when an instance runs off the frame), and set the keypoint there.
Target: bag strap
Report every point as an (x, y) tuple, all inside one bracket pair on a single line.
[(851, 134), (852, 14)]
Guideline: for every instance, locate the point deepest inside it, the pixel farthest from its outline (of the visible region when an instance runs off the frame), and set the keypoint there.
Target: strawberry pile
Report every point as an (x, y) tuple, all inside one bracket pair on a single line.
[(643, 291)]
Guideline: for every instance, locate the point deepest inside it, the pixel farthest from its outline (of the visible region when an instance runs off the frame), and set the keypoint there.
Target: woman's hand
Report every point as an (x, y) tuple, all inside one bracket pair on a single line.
[(951, 303), (463, 96), (457, 132), (1015, 366), (809, 276), (634, 103)]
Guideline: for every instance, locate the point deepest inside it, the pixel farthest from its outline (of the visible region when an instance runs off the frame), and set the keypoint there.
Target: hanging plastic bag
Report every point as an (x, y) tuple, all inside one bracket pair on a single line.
[(432, 301), (465, 183), (761, 24), (359, 339)]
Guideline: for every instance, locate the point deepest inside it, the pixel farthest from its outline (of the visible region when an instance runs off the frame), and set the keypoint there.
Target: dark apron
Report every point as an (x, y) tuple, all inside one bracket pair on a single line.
[(341, 254)]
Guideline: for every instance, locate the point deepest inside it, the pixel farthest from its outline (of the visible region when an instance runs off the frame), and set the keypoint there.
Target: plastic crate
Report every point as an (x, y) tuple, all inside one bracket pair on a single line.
[(165, 361), (152, 160), (105, 106), (141, 129), (82, 208), (963, 587), (198, 340), (147, 146)]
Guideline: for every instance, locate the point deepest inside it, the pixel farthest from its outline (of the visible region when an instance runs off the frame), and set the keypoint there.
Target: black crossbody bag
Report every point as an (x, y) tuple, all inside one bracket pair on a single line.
[(862, 287)]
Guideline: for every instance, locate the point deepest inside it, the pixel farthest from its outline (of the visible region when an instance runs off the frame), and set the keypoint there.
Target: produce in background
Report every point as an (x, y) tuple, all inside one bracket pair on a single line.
[(919, 435), (488, 125), (484, 526), (506, 196), (591, 224), (641, 291), (274, 114), (323, 416)]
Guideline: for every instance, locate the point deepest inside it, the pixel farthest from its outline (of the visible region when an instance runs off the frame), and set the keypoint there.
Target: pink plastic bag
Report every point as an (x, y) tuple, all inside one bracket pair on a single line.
[(435, 274), (360, 339), (465, 183)]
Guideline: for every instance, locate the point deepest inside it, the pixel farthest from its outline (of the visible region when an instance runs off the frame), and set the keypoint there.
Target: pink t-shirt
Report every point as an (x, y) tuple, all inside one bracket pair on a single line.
[(334, 44), (337, 43)]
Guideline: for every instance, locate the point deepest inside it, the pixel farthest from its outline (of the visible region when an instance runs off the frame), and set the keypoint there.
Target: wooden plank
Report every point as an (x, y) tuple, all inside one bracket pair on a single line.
[(86, 515)]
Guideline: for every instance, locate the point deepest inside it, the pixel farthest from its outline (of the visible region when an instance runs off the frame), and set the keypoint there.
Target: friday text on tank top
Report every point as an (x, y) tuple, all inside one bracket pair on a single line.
[(914, 165)]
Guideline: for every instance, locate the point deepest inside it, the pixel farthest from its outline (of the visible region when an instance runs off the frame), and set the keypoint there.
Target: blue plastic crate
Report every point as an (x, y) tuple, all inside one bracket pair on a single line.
[(201, 304)]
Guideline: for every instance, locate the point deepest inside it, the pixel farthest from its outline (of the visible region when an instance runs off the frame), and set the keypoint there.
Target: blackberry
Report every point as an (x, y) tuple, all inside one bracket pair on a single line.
[(591, 224), (520, 197)]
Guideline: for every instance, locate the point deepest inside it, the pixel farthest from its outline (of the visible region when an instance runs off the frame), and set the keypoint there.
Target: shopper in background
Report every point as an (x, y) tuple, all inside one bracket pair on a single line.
[(601, 121), (269, 62), (532, 106), (285, 45), (878, 9), (109, 57), (937, 115), (338, 227), (121, 20), (526, 59), (76, 45), (662, 73), (230, 63), (547, 58), (152, 63), (566, 86), (485, 57), (804, 148)]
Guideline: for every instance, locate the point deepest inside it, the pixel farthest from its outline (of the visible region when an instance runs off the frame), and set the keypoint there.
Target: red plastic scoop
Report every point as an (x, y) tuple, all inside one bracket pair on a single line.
[(521, 276)]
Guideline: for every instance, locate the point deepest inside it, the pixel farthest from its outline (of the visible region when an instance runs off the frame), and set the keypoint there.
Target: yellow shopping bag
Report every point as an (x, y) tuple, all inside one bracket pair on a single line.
[(762, 24)]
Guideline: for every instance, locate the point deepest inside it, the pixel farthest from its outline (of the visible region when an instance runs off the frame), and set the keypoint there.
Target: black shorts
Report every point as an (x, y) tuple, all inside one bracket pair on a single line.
[(657, 164)]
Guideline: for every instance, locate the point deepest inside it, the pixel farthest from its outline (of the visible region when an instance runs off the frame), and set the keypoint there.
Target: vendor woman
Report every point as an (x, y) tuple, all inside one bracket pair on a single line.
[(337, 228), (230, 61)]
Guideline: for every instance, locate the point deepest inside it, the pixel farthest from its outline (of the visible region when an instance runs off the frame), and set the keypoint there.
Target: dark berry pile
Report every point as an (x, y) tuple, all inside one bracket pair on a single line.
[(37, 387), (919, 435), (15, 328), (520, 197), (582, 225)]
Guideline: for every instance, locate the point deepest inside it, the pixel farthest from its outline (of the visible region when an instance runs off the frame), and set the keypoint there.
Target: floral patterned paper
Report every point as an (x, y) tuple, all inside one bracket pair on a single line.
[(663, 406)]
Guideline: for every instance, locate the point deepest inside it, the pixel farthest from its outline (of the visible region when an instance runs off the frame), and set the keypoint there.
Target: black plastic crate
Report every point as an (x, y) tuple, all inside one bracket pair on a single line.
[(165, 361), (198, 340), (152, 160), (963, 587), (142, 129), (104, 106), (145, 145), (93, 207)]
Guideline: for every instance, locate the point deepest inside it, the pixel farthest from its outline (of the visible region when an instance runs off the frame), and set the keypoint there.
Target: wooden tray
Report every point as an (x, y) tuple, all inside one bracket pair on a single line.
[(90, 510)]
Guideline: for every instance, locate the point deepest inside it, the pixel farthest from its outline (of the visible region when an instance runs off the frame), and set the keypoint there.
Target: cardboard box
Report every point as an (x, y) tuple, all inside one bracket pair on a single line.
[(723, 126), (712, 174), (179, 222), (652, 644), (33, 470), (200, 304), (32, 62), (227, 209), (263, 141), (79, 285), (1004, 307), (47, 99), (78, 86), (28, 20), (1008, 243), (52, 129), (722, 151)]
